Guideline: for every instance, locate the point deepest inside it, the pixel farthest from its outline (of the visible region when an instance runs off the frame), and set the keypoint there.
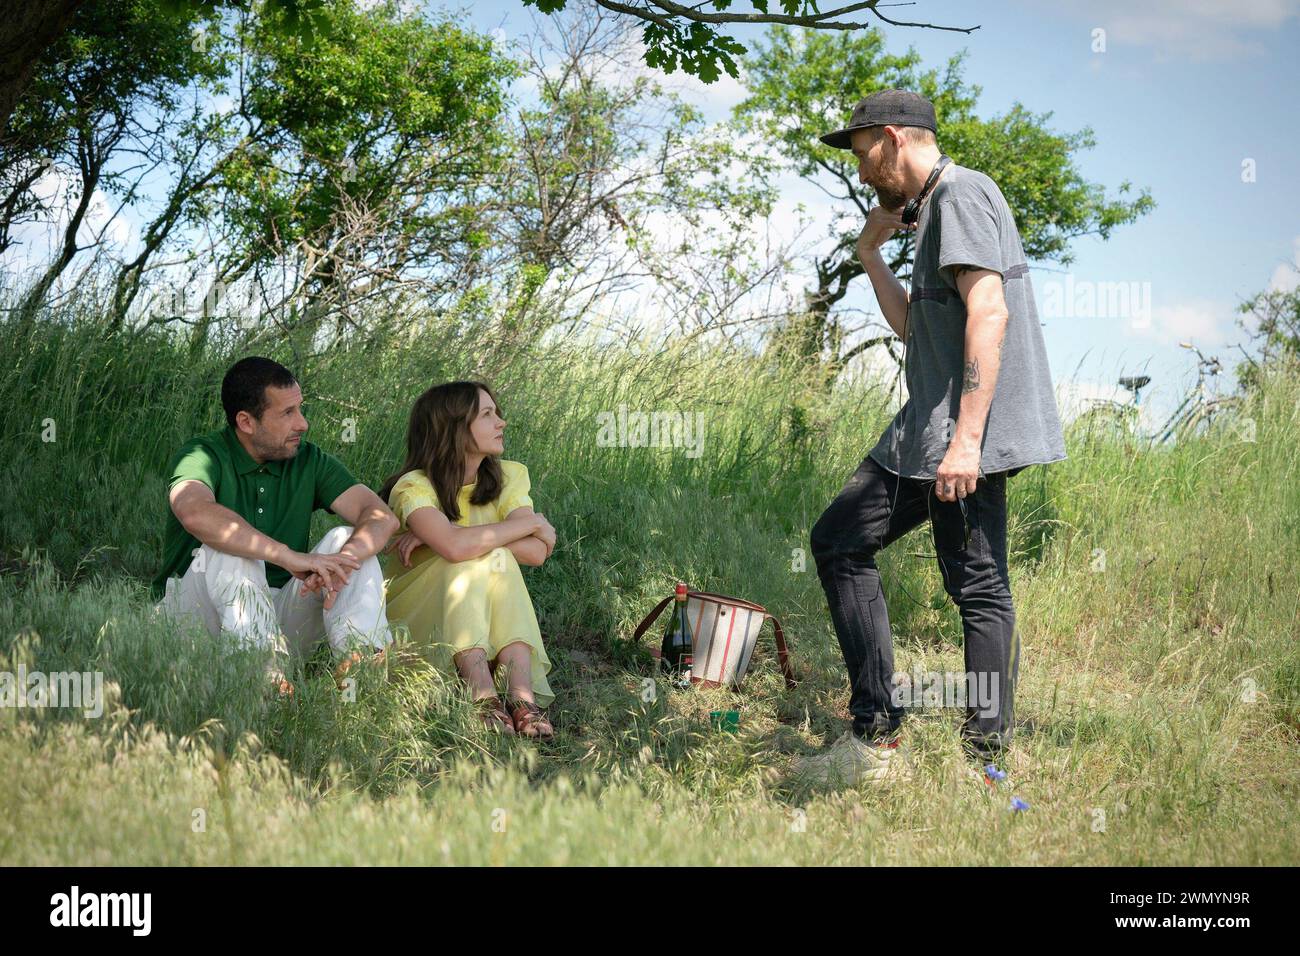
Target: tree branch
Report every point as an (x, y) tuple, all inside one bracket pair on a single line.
[(818, 21)]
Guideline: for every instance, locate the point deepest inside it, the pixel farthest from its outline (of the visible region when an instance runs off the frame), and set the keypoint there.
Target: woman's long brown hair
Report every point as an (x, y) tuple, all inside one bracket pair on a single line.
[(438, 441)]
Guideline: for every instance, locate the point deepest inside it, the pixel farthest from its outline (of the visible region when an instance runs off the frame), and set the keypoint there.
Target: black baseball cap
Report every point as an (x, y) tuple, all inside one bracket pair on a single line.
[(886, 108)]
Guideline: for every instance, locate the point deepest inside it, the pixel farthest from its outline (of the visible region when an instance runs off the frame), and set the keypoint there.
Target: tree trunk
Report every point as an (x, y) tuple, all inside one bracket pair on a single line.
[(91, 161)]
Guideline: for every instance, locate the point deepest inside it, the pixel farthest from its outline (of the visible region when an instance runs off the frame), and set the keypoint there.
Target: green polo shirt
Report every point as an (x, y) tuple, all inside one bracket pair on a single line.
[(277, 498)]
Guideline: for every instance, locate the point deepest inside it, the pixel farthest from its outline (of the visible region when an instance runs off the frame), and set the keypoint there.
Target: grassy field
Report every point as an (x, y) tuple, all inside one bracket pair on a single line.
[(1156, 591)]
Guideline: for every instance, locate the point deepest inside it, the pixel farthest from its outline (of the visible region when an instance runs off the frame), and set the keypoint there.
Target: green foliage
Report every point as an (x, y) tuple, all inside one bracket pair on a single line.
[(378, 109), (300, 18), (799, 85), (352, 142), (120, 62), (698, 49), (1272, 318)]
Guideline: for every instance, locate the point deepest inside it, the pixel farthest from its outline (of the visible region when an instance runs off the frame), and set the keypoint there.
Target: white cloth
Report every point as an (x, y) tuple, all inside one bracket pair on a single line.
[(229, 594)]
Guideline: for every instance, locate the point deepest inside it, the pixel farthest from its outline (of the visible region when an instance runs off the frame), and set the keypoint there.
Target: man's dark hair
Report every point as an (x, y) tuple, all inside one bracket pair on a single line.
[(244, 387)]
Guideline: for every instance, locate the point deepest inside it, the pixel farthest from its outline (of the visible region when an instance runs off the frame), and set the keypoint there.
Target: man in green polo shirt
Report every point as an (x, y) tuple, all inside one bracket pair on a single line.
[(235, 549)]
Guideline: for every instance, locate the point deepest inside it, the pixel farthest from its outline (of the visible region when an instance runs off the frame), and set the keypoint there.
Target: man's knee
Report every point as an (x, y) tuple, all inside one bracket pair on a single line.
[(822, 538), (334, 539), (976, 584), (829, 539), (221, 569)]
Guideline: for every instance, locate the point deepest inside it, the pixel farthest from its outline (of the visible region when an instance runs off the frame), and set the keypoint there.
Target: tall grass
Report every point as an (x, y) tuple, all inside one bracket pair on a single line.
[(1156, 605)]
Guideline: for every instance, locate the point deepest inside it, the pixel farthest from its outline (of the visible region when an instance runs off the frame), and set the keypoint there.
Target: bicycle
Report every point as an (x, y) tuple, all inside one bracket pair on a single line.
[(1111, 419), (1195, 415)]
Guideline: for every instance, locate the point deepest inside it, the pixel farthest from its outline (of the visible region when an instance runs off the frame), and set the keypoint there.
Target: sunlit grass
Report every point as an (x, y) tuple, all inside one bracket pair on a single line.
[(1155, 591)]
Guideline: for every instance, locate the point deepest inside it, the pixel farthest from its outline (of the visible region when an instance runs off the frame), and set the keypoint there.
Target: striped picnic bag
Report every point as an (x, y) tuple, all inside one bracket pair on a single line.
[(725, 630)]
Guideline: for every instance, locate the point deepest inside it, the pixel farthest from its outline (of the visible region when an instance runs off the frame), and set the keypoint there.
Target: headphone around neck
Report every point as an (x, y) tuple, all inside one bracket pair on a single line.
[(912, 211)]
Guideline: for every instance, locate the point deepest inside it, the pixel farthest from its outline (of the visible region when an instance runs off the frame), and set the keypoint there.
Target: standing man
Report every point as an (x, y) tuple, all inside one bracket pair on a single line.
[(980, 408), (235, 547)]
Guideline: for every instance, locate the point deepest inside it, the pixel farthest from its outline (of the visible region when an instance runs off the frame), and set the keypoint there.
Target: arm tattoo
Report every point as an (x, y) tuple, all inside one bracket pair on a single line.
[(971, 380)]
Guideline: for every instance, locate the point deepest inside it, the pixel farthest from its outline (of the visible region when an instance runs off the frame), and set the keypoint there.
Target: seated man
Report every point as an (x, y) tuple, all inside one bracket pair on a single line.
[(242, 498)]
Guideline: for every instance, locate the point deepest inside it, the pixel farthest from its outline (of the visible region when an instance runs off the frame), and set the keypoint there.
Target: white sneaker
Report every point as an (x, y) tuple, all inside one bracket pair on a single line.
[(851, 760)]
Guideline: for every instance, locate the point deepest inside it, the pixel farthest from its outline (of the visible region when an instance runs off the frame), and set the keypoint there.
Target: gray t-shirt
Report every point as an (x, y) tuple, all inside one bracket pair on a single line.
[(966, 221)]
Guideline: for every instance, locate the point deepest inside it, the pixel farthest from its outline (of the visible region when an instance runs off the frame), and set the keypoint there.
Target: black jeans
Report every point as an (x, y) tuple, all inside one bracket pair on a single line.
[(972, 553)]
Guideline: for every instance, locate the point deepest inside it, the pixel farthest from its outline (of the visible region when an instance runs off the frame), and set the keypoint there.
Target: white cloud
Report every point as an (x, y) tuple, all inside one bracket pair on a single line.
[(719, 96), (1286, 277), (716, 99), (1195, 29), (1201, 322)]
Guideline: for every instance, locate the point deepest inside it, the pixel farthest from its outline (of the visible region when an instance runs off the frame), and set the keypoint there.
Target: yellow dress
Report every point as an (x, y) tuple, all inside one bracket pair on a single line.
[(451, 607)]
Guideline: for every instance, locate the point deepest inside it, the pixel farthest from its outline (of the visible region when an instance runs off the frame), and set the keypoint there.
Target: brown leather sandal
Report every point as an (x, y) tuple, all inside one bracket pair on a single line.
[(530, 721), (494, 715)]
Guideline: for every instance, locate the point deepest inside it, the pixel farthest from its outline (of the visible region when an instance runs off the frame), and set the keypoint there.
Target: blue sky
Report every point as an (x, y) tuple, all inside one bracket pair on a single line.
[(1184, 92)]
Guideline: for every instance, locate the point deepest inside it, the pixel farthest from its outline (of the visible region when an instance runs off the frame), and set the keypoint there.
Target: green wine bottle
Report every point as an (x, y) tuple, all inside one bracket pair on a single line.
[(676, 654)]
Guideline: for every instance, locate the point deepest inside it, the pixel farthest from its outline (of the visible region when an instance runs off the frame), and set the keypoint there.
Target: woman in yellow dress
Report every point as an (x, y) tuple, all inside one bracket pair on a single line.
[(452, 576)]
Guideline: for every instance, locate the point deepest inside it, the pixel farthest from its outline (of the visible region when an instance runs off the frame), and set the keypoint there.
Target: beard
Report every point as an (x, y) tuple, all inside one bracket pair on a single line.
[(891, 194), (890, 197), (285, 449), (889, 188)]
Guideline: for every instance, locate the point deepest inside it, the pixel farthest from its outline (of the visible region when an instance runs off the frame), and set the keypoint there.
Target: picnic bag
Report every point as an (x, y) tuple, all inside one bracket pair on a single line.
[(725, 631)]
